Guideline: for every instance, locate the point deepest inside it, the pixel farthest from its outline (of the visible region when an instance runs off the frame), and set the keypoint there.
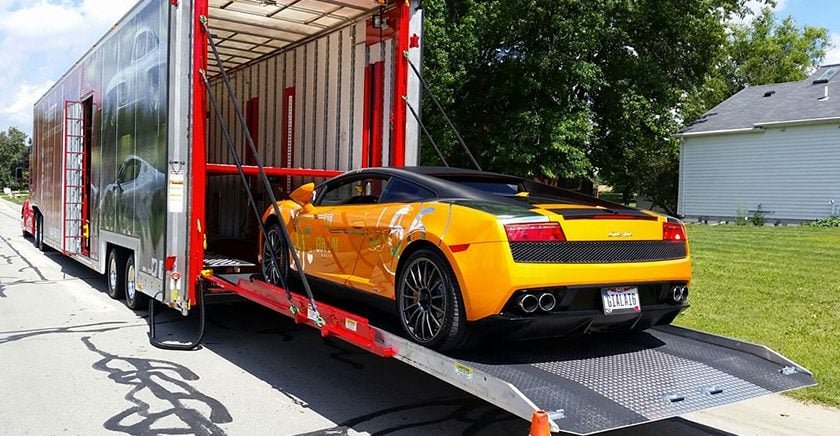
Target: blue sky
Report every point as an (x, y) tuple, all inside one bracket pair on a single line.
[(41, 39)]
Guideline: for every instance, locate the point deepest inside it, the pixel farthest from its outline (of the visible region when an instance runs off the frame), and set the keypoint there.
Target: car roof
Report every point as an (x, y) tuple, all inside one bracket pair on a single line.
[(437, 180)]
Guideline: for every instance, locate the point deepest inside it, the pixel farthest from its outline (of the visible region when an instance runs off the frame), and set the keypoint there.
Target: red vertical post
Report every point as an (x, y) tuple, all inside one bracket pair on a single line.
[(366, 121), (377, 123), (400, 84), (197, 222)]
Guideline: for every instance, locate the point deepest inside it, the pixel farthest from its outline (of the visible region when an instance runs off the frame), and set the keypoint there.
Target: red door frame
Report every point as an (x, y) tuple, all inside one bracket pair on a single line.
[(198, 152), (403, 16), (87, 144)]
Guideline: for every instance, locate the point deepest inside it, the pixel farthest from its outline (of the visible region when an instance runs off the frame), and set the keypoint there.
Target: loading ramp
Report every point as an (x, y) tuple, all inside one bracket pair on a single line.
[(587, 385)]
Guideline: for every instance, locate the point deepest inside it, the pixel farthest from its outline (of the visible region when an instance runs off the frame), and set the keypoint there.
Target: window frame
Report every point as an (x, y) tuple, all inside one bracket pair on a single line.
[(329, 186), (410, 182)]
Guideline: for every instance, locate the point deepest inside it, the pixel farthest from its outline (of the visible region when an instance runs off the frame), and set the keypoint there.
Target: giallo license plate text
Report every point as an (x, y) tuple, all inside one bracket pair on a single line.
[(621, 300)]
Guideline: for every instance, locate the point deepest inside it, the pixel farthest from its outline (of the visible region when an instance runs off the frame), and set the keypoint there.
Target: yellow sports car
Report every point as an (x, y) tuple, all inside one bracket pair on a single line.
[(456, 252)]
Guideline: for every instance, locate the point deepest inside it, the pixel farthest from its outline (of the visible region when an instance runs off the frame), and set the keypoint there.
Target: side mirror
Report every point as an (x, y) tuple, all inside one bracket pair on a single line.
[(303, 194)]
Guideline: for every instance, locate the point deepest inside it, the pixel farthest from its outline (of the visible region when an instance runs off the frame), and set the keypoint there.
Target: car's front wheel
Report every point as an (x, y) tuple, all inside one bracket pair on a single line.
[(275, 256), (429, 302)]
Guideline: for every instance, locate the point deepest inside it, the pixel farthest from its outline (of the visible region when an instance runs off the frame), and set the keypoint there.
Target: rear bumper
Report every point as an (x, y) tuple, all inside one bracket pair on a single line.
[(571, 324), (489, 277)]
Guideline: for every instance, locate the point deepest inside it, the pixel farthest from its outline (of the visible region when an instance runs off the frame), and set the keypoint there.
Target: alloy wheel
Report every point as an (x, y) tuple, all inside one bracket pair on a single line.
[(423, 299)]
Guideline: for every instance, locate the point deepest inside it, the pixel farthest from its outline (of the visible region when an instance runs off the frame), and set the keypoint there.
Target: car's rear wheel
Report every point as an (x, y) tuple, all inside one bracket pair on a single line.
[(275, 256), (134, 299), (114, 275), (429, 302)]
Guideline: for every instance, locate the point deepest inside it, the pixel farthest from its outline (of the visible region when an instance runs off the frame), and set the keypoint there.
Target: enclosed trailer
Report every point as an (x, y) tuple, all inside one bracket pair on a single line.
[(141, 167), (128, 158)]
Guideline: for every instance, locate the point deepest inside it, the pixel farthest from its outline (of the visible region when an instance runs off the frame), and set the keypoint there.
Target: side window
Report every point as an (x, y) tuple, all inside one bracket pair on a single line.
[(139, 47), (151, 42), (129, 171), (358, 191), (401, 191)]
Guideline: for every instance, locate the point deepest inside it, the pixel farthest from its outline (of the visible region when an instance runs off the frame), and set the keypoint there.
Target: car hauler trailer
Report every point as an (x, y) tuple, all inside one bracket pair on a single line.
[(148, 153)]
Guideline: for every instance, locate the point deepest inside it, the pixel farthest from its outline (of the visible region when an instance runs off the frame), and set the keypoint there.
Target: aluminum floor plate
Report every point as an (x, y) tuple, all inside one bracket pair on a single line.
[(602, 383), (213, 260)]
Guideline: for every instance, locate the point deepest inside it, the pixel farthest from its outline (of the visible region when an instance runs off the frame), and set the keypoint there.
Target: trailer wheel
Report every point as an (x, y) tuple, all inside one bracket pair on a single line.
[(429, 302), (114, 275), (275, 256), (134, 299), (39, 232)]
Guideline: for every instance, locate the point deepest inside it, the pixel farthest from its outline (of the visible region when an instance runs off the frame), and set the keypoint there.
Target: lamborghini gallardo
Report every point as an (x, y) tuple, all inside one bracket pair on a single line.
[(456, 252)]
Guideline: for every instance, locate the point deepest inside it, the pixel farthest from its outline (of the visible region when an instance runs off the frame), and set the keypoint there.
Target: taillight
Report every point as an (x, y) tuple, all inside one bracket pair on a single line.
[(673, 231), (534, 232)]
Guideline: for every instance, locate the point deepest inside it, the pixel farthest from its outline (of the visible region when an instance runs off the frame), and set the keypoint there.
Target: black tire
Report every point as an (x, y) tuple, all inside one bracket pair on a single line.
[(39, 232), (429, 303), (275, 268), (134, 299), (114, 275)]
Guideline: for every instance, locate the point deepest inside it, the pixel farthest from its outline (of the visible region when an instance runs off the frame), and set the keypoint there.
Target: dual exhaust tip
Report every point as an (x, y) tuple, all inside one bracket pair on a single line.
[(679, 294), (530, 303), (546, 301)]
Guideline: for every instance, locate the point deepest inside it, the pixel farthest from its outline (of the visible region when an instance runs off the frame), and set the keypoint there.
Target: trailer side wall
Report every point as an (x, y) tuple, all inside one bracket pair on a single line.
[(125, 76)]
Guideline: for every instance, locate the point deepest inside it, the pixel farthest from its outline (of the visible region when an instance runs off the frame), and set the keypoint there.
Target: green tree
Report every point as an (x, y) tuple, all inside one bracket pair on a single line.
[(765, 51), (13, 150), (570, 88)]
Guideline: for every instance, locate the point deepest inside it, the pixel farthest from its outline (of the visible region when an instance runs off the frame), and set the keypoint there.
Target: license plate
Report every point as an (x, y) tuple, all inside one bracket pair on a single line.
[(620, 300)]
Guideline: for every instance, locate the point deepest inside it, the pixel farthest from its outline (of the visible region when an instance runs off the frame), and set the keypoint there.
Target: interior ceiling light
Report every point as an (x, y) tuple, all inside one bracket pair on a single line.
[(267, 2)]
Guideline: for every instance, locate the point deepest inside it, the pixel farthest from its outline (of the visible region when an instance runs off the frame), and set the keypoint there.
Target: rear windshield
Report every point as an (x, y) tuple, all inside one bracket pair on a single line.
[(537, 193), (493, 187)]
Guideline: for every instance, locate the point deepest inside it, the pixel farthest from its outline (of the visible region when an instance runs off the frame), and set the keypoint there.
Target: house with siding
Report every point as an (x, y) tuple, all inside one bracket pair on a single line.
[(774, 148)]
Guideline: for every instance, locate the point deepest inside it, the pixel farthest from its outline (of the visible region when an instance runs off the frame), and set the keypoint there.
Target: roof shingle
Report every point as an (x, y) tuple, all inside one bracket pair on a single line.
[(754, 106)]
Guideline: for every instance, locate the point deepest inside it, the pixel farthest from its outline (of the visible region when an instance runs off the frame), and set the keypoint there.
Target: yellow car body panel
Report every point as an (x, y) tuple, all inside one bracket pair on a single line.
[(359, 246)]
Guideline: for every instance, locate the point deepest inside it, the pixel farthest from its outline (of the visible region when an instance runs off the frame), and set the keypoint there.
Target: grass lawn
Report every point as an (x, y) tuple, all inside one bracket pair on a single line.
[(15, 199), (777, 286)]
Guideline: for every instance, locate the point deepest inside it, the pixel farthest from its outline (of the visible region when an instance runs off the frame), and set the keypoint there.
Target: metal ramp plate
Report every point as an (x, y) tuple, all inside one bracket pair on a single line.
[(602, 383), (213, 260)]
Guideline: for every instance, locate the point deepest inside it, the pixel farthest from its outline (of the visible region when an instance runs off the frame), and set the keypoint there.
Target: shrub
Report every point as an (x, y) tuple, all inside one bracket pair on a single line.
[(832, 221), (758, 216), (740, 217)]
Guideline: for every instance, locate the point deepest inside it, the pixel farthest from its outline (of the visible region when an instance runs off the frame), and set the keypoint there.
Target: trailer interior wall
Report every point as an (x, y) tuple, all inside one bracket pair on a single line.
[(316, 81), (121, 82)]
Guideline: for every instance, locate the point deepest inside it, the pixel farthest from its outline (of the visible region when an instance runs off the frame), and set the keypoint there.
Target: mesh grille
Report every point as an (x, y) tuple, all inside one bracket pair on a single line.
[(597, 251)]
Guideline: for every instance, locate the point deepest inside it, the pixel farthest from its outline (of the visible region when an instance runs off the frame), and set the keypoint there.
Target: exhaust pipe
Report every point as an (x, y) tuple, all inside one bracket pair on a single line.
[(528, 303), (679, 294), (547, 302)]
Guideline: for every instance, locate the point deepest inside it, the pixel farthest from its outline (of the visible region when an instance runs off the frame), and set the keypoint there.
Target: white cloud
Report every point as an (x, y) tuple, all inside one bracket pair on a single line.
[(832, 56), (755, 6), (19, 107), (39, 41), (41, 19)]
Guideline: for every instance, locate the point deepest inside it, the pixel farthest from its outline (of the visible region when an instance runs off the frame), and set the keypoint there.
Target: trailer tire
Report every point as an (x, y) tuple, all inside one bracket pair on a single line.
[(114, 275), (275, 273), (429, 298), (134, 299), (39, 232)]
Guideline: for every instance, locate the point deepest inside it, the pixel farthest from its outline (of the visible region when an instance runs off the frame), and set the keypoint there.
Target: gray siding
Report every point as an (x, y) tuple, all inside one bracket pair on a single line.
[(793, 172)]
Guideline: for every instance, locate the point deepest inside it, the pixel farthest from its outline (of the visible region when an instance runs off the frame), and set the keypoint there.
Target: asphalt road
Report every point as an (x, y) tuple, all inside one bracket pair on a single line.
[(73, 361)]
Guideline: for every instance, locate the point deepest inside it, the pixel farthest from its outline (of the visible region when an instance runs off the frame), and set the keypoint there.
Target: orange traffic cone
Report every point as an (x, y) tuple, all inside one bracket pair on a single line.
[(539, 424)]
